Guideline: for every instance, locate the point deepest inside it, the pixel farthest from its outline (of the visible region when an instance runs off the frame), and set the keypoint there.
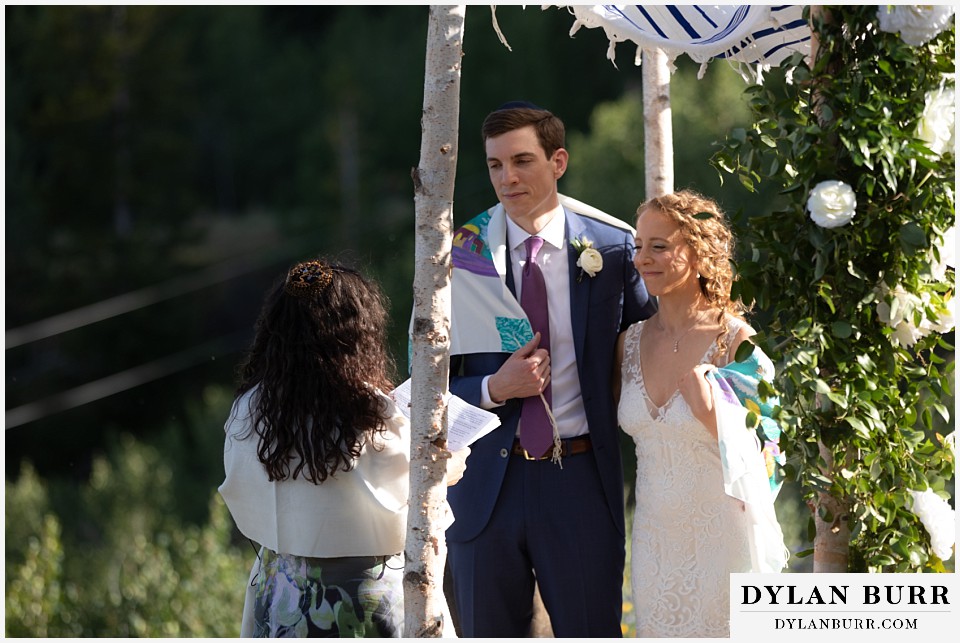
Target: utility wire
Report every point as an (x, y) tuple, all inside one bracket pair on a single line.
[(115, 306), (137, 299), (125, 380)]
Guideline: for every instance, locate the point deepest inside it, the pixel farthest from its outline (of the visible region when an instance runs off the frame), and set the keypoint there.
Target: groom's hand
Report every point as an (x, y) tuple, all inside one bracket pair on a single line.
[(525, 373)]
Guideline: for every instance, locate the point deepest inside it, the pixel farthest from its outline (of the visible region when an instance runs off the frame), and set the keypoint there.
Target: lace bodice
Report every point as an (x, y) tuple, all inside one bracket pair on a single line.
[(688, 535)]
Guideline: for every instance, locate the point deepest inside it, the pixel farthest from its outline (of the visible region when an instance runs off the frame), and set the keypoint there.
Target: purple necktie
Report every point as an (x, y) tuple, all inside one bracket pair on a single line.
[(536, 432)]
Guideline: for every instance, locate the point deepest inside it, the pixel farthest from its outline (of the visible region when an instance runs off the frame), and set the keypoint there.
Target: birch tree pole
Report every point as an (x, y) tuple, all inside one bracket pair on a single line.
[(657, 123), (831, 515), (433, 181)]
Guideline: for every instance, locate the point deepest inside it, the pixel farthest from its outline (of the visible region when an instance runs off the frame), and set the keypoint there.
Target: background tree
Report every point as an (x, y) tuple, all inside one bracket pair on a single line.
[(433, 181)]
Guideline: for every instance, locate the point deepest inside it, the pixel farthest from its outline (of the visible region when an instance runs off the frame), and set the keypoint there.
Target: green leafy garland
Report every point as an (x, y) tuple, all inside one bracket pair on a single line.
[(858, 396)]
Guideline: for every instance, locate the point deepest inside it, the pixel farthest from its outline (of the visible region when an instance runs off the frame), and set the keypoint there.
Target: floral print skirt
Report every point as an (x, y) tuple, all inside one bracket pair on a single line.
[(335, 597)]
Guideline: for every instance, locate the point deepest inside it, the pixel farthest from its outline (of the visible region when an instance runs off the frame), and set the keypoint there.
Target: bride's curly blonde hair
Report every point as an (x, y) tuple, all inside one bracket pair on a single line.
[(704, 228)]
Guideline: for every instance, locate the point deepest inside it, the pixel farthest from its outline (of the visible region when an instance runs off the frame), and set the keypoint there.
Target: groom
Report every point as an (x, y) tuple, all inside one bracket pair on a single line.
[(541, 501)]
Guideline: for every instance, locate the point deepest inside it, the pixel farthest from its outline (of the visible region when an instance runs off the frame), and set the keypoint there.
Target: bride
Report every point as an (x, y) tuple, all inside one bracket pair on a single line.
[(691, 526)]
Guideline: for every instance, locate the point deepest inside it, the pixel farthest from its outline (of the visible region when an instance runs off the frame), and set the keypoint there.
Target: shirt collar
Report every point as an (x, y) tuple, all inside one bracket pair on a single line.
[(553, 233)]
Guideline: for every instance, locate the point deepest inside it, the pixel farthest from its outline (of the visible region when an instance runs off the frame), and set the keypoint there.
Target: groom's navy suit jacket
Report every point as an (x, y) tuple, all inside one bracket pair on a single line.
[(601, 307)]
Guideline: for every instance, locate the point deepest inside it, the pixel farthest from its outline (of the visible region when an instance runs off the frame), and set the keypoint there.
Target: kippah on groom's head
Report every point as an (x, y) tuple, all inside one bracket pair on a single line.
[(518, 104)]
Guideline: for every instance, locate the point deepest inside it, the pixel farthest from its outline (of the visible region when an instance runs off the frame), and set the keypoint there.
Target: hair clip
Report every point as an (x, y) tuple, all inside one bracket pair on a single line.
[(308, 278)]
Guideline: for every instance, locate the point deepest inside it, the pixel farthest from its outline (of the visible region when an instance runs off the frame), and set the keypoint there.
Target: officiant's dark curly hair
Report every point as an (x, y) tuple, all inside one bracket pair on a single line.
[(318, 355)]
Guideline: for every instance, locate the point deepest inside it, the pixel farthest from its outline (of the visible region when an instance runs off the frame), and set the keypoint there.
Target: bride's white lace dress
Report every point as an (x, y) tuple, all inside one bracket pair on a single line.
[(688, 535)]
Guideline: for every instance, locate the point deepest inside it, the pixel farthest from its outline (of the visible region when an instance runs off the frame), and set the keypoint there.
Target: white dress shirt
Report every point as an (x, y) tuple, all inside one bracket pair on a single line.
[(567, 402)]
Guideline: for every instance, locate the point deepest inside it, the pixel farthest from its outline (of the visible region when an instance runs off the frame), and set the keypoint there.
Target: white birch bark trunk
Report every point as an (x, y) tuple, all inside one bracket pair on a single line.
[(657, 123), (433, 178), (831, 543)]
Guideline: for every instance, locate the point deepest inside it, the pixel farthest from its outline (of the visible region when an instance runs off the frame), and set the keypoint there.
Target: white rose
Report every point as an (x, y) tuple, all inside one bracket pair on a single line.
[(832, 204), (916, 24), (937, 518), (948, 253), (590, 261), (899, 309), (950, 441), (906, 334), (936, 127), (944, 322), (938, 267), (896, 308)]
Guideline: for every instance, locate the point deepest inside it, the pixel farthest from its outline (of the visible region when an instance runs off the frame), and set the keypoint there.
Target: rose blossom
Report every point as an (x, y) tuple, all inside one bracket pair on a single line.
[(832, 204), (591, 261), (906, 304), (938, 267), (905, 333), (937, 518), (944, 322), (917, 24), (936, 127), (948, 249)]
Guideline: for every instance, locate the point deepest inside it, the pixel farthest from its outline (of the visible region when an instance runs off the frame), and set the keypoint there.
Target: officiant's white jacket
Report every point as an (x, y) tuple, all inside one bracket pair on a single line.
[(359, 512)]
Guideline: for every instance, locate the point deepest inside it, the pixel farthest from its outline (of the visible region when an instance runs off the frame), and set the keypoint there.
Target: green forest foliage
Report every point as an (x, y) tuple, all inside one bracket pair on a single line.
[(150, 146), (186, 155), (122, 554)]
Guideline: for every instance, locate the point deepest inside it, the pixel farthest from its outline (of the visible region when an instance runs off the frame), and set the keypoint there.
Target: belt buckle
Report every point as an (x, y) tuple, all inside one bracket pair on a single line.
[(527, 456)]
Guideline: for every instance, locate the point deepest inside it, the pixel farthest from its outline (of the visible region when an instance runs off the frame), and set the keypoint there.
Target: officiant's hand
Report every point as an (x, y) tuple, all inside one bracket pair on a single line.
[(457, 465), (525, 373)]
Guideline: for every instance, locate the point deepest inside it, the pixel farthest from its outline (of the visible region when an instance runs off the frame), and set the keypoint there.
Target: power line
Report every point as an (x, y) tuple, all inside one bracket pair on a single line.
[(142, 298), (123, 381), (129, 302)]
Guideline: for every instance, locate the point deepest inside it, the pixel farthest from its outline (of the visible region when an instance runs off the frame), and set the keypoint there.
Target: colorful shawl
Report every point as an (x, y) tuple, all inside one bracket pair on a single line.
[(485, 316), (749, 457)]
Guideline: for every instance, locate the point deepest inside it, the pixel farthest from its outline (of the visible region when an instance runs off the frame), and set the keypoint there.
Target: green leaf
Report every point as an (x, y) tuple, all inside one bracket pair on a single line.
[(820, 267), (862, 430), (802, 327), (841, 329), (865, 362), (744, 351), (913, 236), (943, 411), (838, 399)]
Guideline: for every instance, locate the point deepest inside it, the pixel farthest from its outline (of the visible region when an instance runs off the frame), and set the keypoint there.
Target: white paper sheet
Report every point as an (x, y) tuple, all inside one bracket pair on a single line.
[(465, 423)]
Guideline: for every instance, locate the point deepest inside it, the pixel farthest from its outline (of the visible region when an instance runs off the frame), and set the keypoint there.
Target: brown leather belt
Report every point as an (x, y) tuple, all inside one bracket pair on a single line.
[(570, 446)]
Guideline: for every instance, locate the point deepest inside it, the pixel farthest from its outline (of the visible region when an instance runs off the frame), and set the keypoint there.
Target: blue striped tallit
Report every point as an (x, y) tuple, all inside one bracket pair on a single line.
[(752, 34)]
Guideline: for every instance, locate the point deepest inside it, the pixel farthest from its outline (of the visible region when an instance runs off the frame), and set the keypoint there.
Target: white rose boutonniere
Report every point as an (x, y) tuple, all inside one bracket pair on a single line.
[(589, 259), (832, 204)]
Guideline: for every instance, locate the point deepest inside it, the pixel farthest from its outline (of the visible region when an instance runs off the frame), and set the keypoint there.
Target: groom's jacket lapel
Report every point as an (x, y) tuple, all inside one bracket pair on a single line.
[(579, 290)]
